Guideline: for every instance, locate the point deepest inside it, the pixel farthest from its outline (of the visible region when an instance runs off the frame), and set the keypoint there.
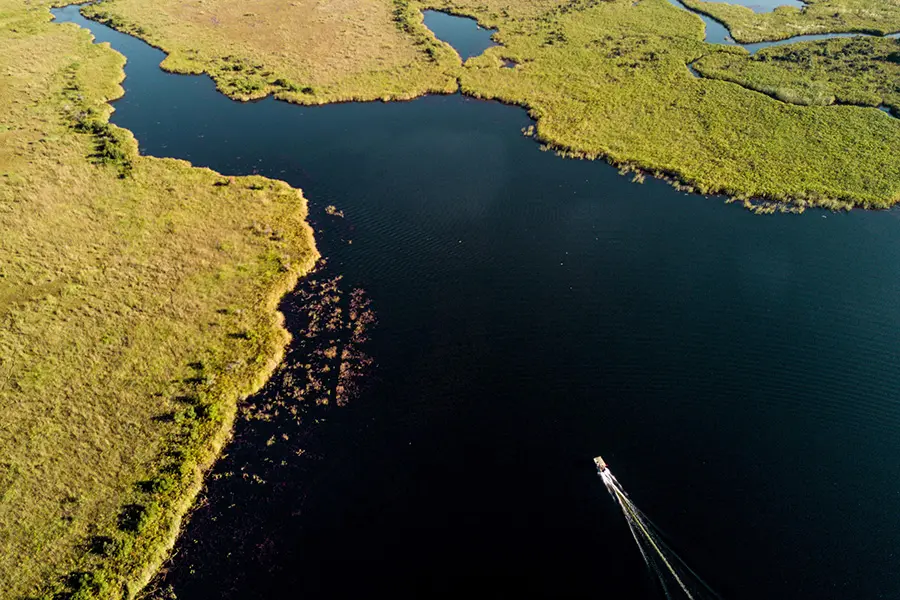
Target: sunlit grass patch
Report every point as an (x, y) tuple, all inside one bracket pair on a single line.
[(122, 280), (304, 51)]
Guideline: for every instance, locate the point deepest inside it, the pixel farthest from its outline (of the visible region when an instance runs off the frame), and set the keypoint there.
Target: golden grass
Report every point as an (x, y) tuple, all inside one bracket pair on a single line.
[(131, 288), (879, 17), (306, 51)]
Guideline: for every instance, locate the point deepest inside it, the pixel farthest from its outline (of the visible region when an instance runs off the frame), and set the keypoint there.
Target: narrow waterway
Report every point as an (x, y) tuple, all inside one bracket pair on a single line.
[(717, 33), (739, 373)]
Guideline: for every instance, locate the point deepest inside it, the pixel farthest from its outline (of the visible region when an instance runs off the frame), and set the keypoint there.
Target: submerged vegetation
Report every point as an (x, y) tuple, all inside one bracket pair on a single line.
[(861, 70), (278, 437), (604, 79), (137, 299), (879, 17)]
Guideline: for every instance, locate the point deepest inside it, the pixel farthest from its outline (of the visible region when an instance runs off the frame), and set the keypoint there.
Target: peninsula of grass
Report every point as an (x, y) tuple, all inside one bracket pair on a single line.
[(604, 79), (307, 52), (878, 17), (862, 70), (138, 304)]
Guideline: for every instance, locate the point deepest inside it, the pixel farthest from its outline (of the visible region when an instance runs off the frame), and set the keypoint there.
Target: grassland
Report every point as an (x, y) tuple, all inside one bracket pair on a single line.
[(305, 51), (863, 71), (138, 303), (610, 80), (879, 17)]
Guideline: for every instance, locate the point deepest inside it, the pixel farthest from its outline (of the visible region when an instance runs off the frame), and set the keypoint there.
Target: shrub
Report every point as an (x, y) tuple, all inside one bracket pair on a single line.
[(187, 414), (161, 483), (208, 412), (87, 586), (110, 547), (136, 517)]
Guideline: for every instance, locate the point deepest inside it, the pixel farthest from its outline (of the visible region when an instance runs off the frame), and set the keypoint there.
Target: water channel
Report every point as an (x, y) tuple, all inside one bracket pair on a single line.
[(739, 373), (717, 33)]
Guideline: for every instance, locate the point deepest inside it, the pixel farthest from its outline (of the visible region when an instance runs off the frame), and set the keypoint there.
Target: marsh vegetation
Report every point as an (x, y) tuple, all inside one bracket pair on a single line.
[(626, 95), (137, 300), (305, 51), (864, 71), (278, 437)]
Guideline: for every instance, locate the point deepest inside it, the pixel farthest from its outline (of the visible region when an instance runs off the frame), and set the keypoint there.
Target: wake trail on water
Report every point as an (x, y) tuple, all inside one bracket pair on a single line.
[(675, 577)]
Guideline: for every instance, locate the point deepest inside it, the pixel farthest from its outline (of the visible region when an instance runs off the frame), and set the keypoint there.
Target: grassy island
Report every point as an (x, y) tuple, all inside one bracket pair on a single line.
[(879, 17), (610, 79), (138, 304)]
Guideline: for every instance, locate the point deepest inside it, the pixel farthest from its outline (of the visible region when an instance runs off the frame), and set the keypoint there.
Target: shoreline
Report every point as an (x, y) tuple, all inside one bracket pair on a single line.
[(181, 504), (132, 554), (225, 428), (754, 201)]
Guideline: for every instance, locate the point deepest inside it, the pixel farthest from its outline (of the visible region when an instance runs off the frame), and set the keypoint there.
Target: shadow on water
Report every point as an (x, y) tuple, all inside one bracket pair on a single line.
[(465, 35), (738, 373), (269, 467)]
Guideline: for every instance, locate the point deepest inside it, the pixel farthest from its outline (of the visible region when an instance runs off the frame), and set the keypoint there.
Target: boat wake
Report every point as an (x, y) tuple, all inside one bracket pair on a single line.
[(676, 579)]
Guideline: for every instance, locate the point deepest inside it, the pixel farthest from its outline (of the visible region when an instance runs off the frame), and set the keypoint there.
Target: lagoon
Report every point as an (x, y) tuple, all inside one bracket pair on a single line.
[(739, 373)]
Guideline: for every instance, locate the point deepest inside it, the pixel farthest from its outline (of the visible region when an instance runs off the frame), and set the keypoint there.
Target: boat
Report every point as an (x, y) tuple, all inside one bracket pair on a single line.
[(601, 464)]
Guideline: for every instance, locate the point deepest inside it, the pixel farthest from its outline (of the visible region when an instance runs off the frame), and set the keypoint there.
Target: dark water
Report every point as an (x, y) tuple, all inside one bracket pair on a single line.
[(717, 33), (466, 36), (739, 373)]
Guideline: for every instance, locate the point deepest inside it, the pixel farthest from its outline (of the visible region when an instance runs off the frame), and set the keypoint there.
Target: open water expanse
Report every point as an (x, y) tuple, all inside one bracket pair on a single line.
[(739, 373)]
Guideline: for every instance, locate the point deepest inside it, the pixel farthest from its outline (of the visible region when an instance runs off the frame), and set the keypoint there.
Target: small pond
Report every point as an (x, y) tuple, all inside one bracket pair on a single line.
[(465, 35)]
